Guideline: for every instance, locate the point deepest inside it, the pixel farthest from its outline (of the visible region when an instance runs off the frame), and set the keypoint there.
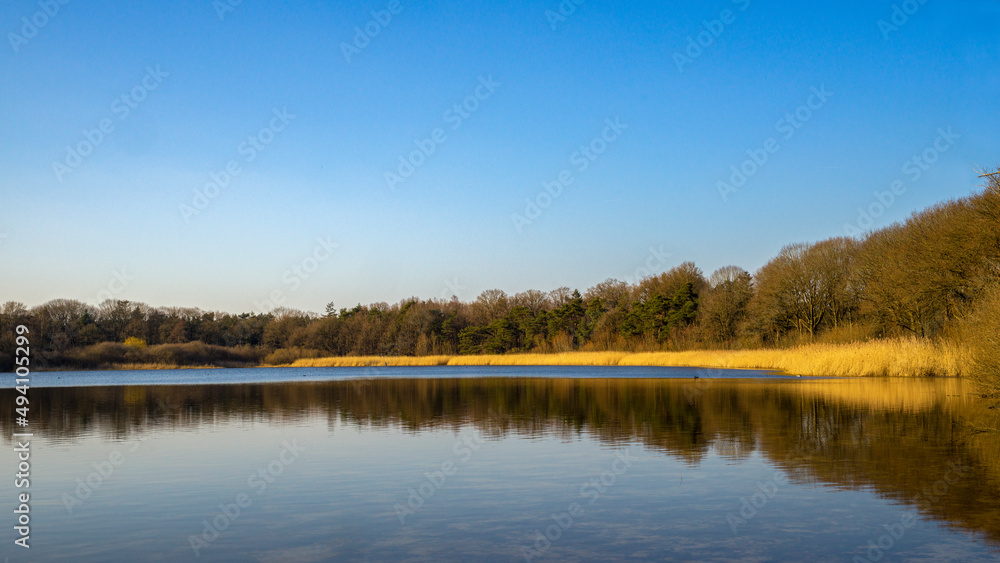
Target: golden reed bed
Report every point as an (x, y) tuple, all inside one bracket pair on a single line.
[(895, 358)]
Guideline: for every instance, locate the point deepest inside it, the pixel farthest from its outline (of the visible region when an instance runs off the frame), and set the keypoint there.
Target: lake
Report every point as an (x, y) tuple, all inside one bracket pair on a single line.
[(502, 464)]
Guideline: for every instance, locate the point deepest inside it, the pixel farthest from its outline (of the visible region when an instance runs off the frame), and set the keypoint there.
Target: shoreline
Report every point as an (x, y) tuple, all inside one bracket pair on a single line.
[(876, 358), (879, 358)]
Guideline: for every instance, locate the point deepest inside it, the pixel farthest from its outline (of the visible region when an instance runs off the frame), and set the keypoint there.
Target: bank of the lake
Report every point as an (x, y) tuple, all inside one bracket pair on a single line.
[(909, 357), (878, 358)]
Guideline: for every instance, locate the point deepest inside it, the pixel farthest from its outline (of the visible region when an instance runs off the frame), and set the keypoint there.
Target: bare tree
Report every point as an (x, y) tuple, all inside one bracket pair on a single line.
[(725, 307), (536, 301), (612, 293), (491, 305), (560, 296), (834, 263), (789, 293)]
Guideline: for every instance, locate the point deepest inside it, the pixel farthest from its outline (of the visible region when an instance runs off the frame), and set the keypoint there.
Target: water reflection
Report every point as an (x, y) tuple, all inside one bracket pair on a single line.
[(897, 437), (921, 443)]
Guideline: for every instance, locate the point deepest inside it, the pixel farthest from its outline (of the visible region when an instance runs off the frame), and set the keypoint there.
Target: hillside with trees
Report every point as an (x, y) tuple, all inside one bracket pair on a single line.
[(934, 276)]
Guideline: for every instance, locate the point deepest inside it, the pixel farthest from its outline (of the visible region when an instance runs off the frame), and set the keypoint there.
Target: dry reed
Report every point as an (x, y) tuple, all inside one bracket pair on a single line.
[(897, 358)]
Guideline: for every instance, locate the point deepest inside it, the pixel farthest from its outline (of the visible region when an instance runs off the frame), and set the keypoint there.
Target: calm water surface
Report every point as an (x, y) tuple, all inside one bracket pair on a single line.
[(505, 464)]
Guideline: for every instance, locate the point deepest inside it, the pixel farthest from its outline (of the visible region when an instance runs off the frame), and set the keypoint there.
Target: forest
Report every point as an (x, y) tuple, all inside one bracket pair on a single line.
[(934, 276)]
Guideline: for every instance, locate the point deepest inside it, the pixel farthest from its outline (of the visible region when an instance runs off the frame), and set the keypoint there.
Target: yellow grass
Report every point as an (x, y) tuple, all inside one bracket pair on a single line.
[(371, 361), (898, 358)]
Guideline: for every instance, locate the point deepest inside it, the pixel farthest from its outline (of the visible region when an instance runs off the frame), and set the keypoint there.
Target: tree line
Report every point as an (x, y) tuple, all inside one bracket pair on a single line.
[(934, 275)]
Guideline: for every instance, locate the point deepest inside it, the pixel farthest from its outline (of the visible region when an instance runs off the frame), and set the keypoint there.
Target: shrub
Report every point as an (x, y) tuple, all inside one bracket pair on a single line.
[(110, 354), (198, 353), (284, 356), (99, 355)]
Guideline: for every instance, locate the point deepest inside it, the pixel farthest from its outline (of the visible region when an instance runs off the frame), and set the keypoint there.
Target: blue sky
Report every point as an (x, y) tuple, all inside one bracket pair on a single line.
[(197, 86)]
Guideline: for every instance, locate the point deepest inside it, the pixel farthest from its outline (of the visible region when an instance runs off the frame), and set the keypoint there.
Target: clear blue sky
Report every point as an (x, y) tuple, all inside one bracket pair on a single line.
[(448, 227)]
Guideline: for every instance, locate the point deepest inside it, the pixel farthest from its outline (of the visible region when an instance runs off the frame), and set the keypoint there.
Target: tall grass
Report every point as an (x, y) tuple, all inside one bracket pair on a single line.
[(369, 361), (896, 358), (984, 335), (910, 357)]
